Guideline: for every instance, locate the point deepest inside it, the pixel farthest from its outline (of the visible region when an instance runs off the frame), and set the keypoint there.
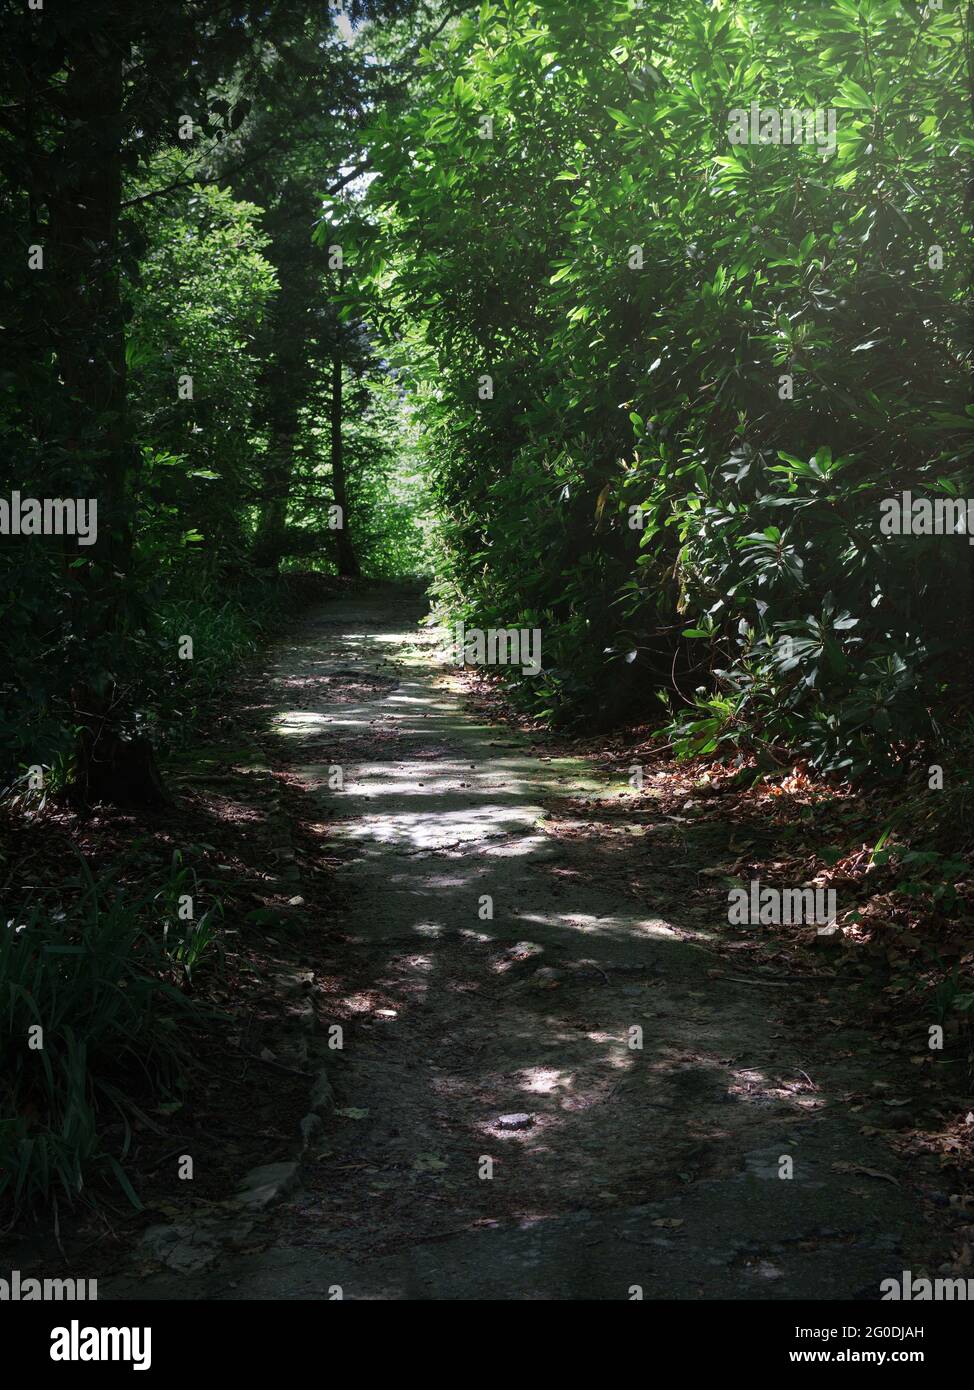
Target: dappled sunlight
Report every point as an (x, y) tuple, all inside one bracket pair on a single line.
[(590, 924), (555, 1024), (392, 640), (751, 1085), (545, 1081), (357, 1004), (403, 698), (298, 722), (495, 798), (422, 831), (621, 1058), (391, 779), (517, 849)]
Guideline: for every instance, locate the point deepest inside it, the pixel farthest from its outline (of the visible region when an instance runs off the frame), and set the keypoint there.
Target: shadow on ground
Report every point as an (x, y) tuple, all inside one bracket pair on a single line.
[(548, 1086)]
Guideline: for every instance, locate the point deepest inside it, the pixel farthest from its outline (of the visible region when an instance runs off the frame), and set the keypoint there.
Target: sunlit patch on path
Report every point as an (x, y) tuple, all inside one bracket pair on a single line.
[(545, 1089)]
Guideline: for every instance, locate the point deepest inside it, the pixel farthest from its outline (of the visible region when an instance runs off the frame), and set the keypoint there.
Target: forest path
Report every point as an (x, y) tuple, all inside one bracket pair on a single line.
[(507, 1039)]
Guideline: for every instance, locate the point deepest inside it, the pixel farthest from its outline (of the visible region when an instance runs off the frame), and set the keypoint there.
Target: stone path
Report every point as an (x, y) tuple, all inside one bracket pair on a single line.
[(495, 1134)]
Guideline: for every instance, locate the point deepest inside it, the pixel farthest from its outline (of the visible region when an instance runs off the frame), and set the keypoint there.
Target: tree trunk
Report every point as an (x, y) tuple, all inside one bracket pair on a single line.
[(348, 565), (278, 465), (284, 386), (88, 340)]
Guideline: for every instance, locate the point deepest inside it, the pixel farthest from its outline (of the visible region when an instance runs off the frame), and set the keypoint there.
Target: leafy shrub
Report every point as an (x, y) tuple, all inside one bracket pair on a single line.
[(93, 976), (639, 476)]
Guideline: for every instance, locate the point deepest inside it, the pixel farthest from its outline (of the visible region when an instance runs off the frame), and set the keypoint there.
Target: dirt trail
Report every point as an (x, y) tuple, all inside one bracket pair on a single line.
[(469, 1038)]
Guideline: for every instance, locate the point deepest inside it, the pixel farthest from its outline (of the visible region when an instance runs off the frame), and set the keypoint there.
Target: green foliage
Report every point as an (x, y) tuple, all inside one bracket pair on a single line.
[(172, 358), (640, 481), (187, 942), (201, 294), (225, 627), (94, 975), (388, 503)]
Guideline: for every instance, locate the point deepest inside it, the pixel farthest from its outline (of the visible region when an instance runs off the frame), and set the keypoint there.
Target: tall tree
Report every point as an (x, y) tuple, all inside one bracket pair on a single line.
[(92, 95)]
